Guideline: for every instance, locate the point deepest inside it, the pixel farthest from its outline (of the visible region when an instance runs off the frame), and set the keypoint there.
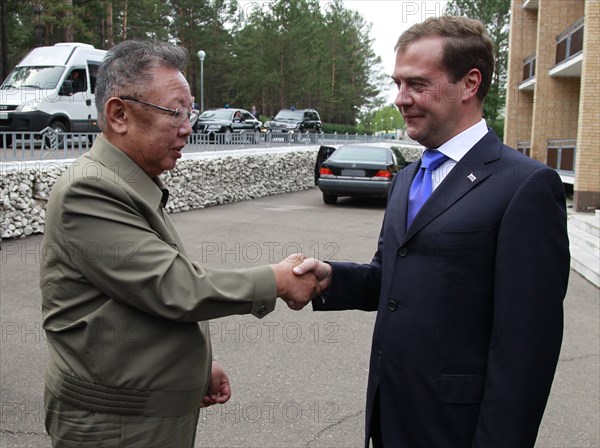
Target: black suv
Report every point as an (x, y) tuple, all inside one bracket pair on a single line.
[(295, 121), (228, 121)]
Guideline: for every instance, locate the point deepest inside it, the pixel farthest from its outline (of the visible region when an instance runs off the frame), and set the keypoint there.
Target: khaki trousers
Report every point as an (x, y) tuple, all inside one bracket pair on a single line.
[(71, 427)]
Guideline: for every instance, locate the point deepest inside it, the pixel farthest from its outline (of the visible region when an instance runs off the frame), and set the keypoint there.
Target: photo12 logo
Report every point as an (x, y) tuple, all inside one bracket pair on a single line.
[(265, 252), (270, 332), (271, 412)]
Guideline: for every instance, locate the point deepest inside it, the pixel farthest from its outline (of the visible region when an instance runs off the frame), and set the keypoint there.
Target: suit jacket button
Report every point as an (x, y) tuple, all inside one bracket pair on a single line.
[(392, 305), (403, 252), (262, 310)]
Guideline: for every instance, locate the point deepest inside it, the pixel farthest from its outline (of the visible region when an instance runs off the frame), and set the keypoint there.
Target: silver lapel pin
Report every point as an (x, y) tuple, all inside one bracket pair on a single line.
[(471, 177)]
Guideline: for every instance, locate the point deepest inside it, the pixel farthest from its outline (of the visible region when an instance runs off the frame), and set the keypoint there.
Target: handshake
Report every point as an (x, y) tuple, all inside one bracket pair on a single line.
[(300, 279)]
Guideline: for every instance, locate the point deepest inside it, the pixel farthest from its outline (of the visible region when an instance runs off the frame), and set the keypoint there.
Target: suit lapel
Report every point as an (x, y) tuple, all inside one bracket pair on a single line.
[(472, 170), (397, 206)]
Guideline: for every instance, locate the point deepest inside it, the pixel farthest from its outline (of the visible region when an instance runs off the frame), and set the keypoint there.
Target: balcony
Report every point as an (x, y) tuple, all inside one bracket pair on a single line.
[(569, 51), (528, 82), (530, 5)]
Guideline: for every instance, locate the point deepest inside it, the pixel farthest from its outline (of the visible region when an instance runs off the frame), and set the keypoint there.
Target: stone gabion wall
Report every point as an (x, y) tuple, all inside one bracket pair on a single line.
[(193, 184), (24, 195)]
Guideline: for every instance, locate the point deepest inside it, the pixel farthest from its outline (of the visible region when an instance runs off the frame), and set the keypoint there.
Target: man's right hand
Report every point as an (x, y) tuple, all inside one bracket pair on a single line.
[(322, 271), (295, 289)]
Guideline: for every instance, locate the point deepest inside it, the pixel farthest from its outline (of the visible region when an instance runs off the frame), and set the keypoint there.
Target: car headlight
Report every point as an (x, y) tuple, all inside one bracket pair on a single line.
[(29, 106)]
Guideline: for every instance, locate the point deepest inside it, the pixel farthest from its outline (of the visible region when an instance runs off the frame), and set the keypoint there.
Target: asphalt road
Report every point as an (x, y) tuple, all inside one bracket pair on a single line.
[(298, 378)]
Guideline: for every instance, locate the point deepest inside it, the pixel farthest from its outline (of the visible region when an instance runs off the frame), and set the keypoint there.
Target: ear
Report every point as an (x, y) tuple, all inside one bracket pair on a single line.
[(117, 115), (471, 82)]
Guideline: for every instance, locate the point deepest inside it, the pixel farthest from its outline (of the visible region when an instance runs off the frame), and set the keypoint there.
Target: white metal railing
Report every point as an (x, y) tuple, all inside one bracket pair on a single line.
[(569, 43), (44, 144), (49, 144)]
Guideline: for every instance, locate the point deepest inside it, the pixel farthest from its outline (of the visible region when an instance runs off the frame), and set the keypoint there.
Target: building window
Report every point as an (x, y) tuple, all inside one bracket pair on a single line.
[(524, 148), (560, 155), (570, 42), (529, 67)]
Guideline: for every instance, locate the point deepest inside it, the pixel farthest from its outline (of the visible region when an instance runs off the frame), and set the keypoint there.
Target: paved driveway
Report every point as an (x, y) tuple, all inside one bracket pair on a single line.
[(299, 378)]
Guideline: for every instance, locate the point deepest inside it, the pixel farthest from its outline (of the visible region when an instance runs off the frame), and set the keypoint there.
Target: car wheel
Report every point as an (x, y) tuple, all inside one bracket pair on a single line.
[(329, 198)]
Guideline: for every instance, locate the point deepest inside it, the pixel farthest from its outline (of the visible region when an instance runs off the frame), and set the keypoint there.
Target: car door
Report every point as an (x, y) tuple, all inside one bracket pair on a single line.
[(249, 121), (74, 101), (311, 121)]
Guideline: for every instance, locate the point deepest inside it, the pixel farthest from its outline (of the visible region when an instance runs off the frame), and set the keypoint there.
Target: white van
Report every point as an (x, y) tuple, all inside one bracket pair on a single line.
[(52, 86)]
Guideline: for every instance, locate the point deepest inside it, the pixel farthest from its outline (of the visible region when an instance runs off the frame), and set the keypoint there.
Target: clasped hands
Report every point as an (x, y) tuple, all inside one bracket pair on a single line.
[(300, 279)]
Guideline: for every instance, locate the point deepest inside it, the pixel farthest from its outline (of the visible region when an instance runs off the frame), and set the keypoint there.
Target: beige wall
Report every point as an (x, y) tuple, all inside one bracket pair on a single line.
[(519, 104), (587, 164), (558, 108), (556, 100)]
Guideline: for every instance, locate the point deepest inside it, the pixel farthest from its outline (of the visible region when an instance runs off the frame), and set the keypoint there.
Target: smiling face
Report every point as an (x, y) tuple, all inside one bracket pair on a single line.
[(150, 138), (434, 109)]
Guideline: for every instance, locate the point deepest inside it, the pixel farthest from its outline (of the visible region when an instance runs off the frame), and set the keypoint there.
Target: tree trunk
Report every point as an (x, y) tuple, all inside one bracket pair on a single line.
[(282, 95), (124, 30), (4, 39), (69, 21), (38, 30), (109, 24)]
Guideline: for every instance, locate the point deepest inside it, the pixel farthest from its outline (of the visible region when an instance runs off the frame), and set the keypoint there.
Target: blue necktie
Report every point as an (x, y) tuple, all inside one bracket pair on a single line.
[(421, 186)]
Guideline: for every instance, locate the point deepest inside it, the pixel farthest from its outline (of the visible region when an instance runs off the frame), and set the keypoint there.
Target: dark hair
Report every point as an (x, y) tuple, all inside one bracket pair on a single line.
[(126, 69), (467, 46)]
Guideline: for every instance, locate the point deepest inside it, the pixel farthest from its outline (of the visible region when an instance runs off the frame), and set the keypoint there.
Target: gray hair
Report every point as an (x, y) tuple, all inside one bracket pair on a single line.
[(126, 69)]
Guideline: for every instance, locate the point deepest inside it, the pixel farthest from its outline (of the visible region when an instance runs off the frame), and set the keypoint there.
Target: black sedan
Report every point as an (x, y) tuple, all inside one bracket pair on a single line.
[(359, 170), (220, 124)]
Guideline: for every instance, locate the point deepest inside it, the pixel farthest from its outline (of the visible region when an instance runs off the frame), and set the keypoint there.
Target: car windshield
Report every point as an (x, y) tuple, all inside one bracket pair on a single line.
[(289, 115), (360, 154), (39, 77), (219, 114)]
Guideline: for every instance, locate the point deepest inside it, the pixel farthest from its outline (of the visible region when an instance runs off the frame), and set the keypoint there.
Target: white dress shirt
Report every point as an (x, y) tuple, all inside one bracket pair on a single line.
[(456, 148)]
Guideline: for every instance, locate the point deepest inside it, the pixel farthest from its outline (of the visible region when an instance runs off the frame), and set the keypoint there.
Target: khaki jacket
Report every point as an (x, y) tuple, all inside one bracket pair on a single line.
[(122, 302)]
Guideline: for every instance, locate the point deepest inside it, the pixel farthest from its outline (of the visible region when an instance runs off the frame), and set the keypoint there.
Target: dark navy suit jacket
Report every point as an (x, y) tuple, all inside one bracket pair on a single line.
[(470, 303)]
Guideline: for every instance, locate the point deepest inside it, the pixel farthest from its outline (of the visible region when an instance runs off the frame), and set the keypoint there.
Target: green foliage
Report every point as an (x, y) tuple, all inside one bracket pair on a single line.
[(331, 128), (386, 118), (495, 14), (497, 126), (275, 55), (295, 53)]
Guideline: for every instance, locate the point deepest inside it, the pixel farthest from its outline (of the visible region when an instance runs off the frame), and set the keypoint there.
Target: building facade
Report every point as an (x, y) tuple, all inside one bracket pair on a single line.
[(553, 94)]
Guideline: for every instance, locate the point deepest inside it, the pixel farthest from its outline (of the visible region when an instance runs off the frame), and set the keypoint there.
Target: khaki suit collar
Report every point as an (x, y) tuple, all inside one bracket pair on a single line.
[(127, 171)]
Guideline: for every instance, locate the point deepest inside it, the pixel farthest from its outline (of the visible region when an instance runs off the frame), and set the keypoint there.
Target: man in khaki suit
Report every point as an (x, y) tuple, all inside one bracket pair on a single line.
[(130, 364)]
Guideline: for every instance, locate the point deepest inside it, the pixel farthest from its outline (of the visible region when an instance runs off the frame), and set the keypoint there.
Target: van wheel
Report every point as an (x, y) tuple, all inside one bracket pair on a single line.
[(329, 198), (59, 128)]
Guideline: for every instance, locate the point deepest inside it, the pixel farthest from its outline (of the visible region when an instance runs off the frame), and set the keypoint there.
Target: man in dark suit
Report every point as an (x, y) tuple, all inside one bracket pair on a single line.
[(469, 289)]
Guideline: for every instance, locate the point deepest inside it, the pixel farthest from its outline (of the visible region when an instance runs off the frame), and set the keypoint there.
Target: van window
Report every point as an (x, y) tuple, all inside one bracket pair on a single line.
[(93, 71), (78, 80), (39, 77)]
